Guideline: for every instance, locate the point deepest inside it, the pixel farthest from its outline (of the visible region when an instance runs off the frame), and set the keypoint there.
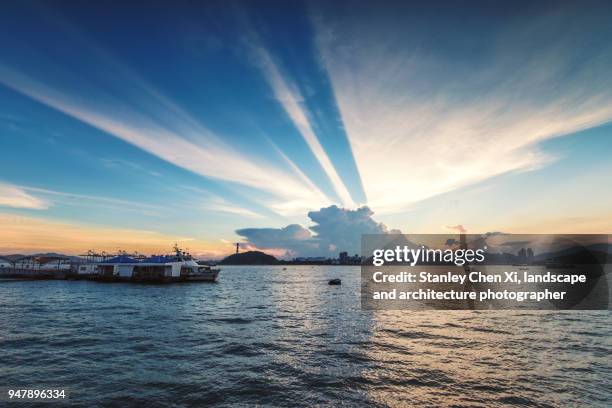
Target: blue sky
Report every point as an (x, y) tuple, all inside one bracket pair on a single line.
[(134, 126)]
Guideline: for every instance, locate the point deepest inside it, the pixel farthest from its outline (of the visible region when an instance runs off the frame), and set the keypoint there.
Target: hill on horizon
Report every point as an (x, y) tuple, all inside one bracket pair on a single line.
[(250, 258)]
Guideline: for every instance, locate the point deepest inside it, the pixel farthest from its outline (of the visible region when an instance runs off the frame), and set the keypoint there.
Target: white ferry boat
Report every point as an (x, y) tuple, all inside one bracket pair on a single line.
[(180, 267)]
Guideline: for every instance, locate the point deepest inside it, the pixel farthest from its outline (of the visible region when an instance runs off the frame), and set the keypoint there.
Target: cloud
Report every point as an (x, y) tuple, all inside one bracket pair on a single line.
[(426, 112), (290, 98), (115, 163), (17, 197), (342, 228), (220, 205), (459, 228), (431, 109), (293, 239), (164, 130), (211, 202), (335, 229), (75, 199)]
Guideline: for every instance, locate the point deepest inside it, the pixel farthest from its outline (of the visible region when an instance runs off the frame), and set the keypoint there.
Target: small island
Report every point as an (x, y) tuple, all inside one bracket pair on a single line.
[(250, 258)]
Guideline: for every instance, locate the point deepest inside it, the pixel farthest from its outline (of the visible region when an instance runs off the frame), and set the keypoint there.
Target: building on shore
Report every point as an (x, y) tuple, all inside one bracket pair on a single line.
[(5, 263)]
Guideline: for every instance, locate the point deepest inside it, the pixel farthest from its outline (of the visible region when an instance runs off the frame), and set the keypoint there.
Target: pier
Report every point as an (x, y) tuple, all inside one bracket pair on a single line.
[(33, 274), (37, 267), (121, 267)]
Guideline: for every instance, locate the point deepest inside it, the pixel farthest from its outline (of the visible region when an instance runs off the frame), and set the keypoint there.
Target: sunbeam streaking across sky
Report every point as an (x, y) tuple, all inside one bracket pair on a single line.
[(290, 101), (216, 123), (206, 152), (428, 114)]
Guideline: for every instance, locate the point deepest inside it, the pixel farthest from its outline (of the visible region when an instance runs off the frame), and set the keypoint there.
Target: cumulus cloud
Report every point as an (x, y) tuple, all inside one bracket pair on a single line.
[(294, 239), (335, 229), (343, 228)]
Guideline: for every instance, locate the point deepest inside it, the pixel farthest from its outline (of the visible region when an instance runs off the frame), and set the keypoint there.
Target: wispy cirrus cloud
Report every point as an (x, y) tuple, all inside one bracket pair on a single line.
[(220, 205), (200, 199), (431, 109), (88, 200), (179, 140), (17, 197), (290, 98)]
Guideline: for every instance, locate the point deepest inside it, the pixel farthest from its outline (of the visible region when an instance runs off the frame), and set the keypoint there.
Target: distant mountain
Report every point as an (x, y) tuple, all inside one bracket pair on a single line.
[(603, 247), (12, 257), (500, 259), (578, 255), (15, 257), (250, 258)]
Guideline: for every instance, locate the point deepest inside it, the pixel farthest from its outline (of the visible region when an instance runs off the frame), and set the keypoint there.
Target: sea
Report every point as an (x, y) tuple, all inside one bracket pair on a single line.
[(282, 337)]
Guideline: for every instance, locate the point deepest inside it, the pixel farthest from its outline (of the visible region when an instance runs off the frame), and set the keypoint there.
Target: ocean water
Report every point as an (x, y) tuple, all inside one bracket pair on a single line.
[(273, 337)]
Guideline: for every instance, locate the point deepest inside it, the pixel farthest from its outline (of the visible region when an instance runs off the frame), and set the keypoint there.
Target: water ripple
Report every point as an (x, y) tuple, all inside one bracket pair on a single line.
[(264, 336)]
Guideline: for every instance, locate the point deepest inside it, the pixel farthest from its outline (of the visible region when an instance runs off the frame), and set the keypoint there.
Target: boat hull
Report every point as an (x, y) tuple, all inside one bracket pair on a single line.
[(210, 276)]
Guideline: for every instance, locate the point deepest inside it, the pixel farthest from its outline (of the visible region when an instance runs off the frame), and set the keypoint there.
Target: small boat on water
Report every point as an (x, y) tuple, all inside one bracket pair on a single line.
[(179, 267)]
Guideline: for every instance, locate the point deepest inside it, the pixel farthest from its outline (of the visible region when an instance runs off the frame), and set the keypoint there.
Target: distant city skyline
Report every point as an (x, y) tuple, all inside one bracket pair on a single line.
[(295, 127)]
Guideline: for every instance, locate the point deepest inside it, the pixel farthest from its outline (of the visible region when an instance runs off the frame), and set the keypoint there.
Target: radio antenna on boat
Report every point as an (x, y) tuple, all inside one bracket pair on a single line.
[(177, 250)]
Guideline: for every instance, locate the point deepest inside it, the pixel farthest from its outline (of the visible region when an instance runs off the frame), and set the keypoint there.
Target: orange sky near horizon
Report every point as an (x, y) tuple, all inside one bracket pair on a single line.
[(22, 234)]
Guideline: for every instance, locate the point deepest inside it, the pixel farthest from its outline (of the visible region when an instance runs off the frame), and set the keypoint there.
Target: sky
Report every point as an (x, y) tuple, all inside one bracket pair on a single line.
[(295, 127)]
